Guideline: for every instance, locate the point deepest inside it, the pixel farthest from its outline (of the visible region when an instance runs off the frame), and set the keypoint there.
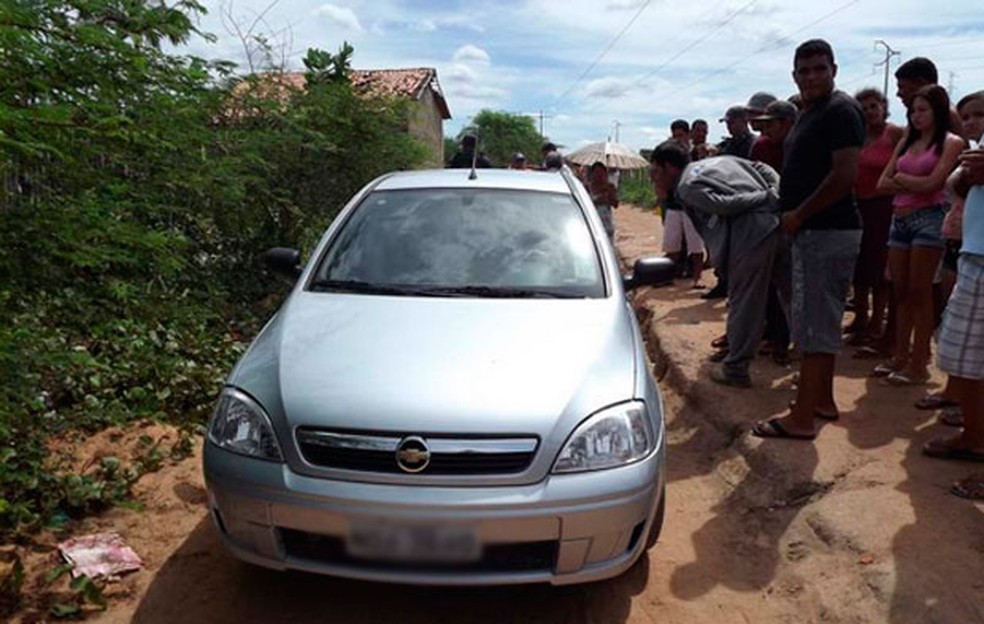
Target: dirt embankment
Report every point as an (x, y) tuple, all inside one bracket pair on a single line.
[(857, 527)]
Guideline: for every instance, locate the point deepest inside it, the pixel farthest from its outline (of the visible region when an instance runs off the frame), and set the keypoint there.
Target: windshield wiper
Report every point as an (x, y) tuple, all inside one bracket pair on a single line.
[(369, 288), (502, 292), (492, 292)]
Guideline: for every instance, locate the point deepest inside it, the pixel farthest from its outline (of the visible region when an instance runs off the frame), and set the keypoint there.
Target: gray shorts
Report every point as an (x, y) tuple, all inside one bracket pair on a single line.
[(823, 267)]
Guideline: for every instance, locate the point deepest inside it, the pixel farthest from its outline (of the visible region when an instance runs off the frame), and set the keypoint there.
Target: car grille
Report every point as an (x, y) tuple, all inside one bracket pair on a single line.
[(447, 455), (510, 557)]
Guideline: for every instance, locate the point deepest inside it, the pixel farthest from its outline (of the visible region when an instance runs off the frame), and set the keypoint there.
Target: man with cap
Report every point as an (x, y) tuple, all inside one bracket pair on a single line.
[(739, 143), (518, 161), (775, 123), (756, 107)]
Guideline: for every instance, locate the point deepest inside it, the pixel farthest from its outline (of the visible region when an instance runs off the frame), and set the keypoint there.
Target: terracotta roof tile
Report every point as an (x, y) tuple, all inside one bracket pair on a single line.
[(408, 83)]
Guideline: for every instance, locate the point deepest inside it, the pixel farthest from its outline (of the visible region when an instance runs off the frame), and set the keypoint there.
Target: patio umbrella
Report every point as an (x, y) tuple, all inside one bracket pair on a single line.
[(614, 155)]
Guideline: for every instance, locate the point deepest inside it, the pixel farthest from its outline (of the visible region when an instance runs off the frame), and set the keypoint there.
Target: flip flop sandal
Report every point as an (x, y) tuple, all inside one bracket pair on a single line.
[(721, 342), (901, 379), (971, 488), (855, 339), (821, 414), (939, 449), (951, 417), (934, 401), (883, 370), (773, 428), (868, 353)]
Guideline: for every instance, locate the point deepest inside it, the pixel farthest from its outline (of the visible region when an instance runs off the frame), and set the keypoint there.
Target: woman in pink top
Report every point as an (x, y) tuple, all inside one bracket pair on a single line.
[(875, 206), (917, 174)]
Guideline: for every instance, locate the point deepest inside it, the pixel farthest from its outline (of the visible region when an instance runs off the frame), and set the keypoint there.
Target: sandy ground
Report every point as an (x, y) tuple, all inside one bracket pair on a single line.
[(857, 527)]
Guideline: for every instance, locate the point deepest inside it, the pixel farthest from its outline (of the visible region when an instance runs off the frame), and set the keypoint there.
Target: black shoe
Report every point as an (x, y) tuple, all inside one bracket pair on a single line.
[(718, 356), (718, 375), (718, 292)]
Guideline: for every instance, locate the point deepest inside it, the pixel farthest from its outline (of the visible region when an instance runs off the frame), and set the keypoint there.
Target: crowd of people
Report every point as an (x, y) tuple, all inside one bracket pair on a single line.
[(831, 208), (816, 205)]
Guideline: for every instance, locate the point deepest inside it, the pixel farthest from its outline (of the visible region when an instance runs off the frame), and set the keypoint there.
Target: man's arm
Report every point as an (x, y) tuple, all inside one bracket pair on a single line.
[(838, 183)]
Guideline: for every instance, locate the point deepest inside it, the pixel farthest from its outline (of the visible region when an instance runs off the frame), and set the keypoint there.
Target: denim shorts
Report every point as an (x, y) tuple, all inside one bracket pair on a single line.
[(922, 228), (823, 267)]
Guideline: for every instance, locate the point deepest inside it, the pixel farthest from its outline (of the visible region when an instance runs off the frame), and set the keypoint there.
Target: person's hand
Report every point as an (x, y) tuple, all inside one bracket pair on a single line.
[(973, 162), (791, 222)]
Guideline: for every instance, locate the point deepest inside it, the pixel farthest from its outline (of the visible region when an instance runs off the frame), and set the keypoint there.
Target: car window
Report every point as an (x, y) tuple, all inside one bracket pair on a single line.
[(448, 238)]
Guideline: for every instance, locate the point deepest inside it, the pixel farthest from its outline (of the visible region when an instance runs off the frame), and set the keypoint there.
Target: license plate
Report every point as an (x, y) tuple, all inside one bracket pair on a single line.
[(425, 543)]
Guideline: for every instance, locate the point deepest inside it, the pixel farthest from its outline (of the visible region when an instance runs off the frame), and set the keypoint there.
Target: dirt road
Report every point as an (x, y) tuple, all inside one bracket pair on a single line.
[(855, 528)]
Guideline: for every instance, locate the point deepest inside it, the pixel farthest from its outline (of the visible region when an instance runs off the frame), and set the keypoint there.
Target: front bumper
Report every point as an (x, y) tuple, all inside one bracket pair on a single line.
[(565, 529)]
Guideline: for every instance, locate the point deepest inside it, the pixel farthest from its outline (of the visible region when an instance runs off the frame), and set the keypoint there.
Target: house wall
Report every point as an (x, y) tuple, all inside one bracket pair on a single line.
[(426, 125)]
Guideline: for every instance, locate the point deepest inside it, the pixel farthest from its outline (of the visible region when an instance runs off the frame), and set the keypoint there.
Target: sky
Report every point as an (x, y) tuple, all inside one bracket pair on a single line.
[(606, 69)]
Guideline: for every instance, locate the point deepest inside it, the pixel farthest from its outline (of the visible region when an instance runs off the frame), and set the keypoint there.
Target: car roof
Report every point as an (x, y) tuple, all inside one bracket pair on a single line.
[(551, 182)]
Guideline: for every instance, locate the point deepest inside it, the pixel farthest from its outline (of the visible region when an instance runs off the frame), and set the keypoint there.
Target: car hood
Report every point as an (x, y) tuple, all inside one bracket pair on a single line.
[(441, 365)]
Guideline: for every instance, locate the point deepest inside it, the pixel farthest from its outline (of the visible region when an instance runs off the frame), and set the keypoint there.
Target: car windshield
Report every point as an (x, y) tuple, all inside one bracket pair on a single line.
[(464, 242)]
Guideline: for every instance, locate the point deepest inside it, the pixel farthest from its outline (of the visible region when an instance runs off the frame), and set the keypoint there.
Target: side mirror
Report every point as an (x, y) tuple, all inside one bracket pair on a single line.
[(283, 261), (650, 272)]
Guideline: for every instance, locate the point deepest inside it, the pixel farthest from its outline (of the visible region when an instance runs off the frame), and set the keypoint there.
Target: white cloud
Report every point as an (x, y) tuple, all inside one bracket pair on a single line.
[(471, 53), (459, 73), (478, 92), (608, 87), (342, 17), (621, 5)]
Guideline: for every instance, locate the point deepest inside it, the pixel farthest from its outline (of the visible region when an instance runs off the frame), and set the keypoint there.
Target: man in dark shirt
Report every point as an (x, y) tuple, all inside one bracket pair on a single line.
[(818, 210), (699, 147), (465, 158), (741, 139)]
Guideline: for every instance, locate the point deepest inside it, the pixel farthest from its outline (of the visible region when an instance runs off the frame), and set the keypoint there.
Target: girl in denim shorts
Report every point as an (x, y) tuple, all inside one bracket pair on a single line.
[(917, 174)]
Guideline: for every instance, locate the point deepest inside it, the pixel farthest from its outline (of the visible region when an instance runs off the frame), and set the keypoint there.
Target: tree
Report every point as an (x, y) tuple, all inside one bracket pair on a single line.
[(502, 134), (137, 188)]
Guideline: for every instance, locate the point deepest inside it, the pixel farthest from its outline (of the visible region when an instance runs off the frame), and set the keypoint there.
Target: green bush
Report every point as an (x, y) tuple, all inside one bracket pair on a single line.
[(135, 200), (637, 189)]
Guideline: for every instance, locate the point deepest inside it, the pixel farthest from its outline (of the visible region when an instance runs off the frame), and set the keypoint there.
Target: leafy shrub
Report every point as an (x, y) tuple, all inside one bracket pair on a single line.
[(134, 207)]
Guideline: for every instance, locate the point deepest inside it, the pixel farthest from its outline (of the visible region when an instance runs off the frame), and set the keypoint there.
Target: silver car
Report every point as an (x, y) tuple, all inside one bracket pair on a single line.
[(455, 392)]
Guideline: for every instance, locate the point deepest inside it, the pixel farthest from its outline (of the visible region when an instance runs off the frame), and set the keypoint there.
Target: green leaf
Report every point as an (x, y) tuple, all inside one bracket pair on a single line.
[(58, 572), (63, 610)]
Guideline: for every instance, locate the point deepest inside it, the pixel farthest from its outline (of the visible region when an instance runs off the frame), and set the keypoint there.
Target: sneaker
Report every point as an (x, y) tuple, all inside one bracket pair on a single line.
[(718, 292), (718, 375)]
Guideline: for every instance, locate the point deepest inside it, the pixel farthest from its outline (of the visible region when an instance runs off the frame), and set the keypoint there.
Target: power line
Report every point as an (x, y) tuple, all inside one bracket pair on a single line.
[(780, 43), (942, 44), (724, 22), (610, 45), (697, 41)]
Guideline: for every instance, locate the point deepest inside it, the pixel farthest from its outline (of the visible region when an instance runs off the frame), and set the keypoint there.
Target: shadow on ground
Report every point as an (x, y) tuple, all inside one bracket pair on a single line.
[(201, 583)]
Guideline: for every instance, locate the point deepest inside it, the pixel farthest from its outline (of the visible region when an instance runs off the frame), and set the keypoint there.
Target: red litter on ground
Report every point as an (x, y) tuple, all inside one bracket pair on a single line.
[(99, 554)]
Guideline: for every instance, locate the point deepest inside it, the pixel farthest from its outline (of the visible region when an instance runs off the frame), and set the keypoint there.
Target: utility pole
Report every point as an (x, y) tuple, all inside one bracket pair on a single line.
[(889, 53), (617, 125), (951, 85), (542, 116)]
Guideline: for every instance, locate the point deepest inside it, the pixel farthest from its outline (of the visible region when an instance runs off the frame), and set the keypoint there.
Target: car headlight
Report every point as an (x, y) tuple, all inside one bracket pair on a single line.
[(240, 425), (613, 437)]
